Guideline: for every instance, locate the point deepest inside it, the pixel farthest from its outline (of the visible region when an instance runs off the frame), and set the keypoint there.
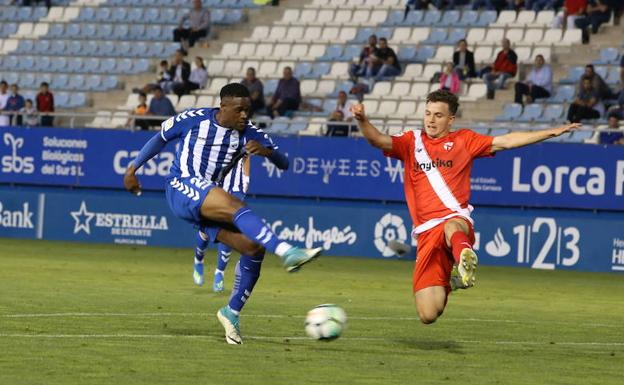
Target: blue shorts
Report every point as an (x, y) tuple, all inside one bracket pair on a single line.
[(185, 197)]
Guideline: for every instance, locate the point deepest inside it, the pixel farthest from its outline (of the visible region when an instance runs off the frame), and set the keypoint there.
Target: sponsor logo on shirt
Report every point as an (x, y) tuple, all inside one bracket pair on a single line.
[(436, 163)]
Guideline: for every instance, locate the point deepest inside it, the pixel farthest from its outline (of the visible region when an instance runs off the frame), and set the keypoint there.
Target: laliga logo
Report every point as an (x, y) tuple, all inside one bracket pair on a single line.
[(498, 247), (15, 163), (389, 228)]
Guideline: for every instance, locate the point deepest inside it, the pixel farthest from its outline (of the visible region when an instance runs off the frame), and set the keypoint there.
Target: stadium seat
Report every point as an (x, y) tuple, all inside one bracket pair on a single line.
[(351, 52), (468, 19), (61, 99), (574, 75), (413, 18), (510, 112), (267, 68), (544, 18), (380, 90), (564, 94), (443, 54), (308, 86), (483, 55), (407, 54), (449, 18), (552, 113), (186, 102), (494, 36), (270, 86), (400, 90), (431, 18), (613, 77), (476, 35), (505, 18), (487, 18), (608, 56), (387, 107), (525, 18), (76, 82), (571, 36), (42, 47), (26, 63), (43, 64), (455, 35), (436, 36), (25, 46), (424, 53), (59, 64), (395, 17), (532, 112)]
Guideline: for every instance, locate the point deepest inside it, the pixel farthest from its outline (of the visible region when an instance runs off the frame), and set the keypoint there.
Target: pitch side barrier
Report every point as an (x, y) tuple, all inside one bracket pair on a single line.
[(555, 175), (537, 238)]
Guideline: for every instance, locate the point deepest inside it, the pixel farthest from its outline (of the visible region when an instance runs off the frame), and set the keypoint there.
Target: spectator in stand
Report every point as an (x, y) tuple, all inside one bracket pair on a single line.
[(449, 4), (449, 80), (359, 68), (463, 59), (598, 83), (505, 66), (29, 114), (539, 5), (179, 72), (5, 119), (14, 104), (45, 104), (342, 113), (162, 79), (139, 110), (622, 70), (597, 13), (515, 5), (414, 5), (618, 109), (490, 5), (383, 63), (197, 80), (612, 137), (256, 90), (199, 26), (587, 104), (160, 105), (572, 10), (27, 3), (287, 96), (538, 82)]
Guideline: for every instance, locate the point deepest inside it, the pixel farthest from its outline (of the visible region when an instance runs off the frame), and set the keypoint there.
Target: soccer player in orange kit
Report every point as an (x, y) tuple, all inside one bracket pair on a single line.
[(437, 189)]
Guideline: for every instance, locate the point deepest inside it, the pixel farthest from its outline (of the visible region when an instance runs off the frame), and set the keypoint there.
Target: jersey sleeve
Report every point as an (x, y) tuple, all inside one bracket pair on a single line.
[(254, 133), (478, 145), (178, 125), (401, 145)]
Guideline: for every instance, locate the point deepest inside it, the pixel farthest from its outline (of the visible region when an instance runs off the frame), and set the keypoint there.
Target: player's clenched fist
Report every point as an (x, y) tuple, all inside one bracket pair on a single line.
[(131, 182), (358, 111)]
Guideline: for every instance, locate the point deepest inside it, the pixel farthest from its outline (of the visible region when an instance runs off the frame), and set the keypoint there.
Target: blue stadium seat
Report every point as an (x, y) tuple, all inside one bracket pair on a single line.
[(86, 14), (552, 113), (395, 17), (510, 112), (168, 16), (108, 65), (104, 31), (10, 62), (124, 66), (134, 15), (350, 52), (12, 78), (88, 31), (608, 56), (486, 18), (106, 48), (110, 82), (42, 47), (234, 16), (153, 32), (58, 47), (138, 49), (23, 14), (320, 69), (425, 53), (431, 18), (156, 49), (39, 12), (407, 53), (91, 65), (93, 83), (137, 31), (499, 131), (102, 14), (332, 53), (574, 75), (564, 94), (27, 80), (455, 35), (384, 32), (61, 99), (362, 35), (580, 136), (436, 36), (59, 64), (413, 18), (59, 82), (613, 77), (56, 30), (450, 18), (329, 105), (9, 29), (122, 49), (602, 71), (72, 30), (151, 15), (532, 112), (341, 86), (43, 63), (76, 82), (74, 64), (25, 46), (303, 69), (119, 14), (26, 63), (9, 13), (140, 65), (77, 99), (89, 48), (468, 19), (270, 86), (279, 125), (120, 32)]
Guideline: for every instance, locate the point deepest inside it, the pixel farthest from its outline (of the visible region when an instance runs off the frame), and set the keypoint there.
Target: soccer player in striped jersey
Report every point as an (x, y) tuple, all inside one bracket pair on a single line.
[(210, 139), (437, 189)]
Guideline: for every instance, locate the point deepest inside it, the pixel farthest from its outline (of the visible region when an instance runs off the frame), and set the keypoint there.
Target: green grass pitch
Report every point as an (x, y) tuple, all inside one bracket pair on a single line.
[(103, 314)]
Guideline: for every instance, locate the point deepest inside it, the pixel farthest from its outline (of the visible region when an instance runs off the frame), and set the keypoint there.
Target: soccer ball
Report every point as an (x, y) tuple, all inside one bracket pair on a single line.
[(325, 322)]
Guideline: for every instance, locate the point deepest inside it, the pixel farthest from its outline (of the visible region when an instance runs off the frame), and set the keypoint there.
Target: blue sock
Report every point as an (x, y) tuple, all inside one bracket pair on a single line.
[(223, 256), (247, 274), (200, 247), (255, 229)]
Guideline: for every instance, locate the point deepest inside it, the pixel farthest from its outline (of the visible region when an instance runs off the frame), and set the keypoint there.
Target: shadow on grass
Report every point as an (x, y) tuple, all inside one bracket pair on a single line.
[(450, 346)]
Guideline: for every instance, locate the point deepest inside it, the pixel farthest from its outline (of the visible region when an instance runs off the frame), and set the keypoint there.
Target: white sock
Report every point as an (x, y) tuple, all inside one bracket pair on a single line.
[(199, 261), (282, 248), (217, 271), (235, 312)]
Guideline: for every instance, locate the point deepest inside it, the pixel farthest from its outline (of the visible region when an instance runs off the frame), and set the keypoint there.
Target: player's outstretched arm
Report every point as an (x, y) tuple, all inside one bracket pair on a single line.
[(519, 139), (370, 132), (149, 150)]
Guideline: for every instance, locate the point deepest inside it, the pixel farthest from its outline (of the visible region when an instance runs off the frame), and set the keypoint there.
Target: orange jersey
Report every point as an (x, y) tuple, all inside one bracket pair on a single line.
[(437, 173)]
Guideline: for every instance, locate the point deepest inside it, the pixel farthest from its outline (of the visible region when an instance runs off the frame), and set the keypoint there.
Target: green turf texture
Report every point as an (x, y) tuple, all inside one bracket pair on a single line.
[(141, 320)]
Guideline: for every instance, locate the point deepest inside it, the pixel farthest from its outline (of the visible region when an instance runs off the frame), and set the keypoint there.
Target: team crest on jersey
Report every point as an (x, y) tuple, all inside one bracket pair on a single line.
[(448, 146)]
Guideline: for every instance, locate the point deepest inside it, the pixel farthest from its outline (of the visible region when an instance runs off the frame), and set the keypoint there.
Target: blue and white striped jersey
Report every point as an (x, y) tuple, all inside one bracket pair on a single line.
[(236, 180), (206, 148)]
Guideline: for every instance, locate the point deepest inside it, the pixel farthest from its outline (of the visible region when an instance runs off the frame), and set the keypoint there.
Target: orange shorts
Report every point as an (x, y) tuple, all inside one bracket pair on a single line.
[(434, 260)]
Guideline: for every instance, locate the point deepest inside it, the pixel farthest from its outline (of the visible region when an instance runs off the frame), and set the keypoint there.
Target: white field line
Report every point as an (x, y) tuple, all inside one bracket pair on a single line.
[(380, 339), (358, 318)]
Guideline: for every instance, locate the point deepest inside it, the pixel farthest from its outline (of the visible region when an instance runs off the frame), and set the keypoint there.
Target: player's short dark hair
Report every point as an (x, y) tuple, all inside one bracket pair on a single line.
[(234, 90), (444, 96)]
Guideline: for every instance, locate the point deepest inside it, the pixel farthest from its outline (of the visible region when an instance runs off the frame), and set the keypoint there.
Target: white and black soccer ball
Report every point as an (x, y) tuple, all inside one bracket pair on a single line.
[(325, 322)]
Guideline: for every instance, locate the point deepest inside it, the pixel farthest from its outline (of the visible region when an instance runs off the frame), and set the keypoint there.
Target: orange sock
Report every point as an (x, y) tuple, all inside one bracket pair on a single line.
[(459, 241)]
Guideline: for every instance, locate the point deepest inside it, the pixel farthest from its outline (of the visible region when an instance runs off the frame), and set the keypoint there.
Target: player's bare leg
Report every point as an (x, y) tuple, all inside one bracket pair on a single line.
[(456, 234), (220, 206), (430, 303)]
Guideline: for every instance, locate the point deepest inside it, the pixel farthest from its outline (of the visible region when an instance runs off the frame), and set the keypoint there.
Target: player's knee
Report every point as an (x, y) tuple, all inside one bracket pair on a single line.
[(427, 316)]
